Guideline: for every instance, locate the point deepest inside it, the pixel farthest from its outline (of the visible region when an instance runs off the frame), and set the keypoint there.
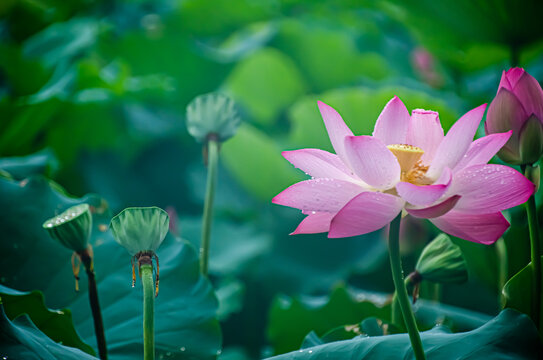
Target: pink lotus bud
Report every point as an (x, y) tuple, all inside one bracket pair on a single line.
[(518, 106)]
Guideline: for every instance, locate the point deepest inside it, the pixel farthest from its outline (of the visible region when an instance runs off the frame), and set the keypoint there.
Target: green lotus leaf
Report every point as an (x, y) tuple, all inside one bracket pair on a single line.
[(21, 339), (510, 335), (56, 324)]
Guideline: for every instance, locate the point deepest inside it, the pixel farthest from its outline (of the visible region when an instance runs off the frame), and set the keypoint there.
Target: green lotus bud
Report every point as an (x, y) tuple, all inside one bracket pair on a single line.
[(140, 228), (442, 261), (72, 228), (212, 114)]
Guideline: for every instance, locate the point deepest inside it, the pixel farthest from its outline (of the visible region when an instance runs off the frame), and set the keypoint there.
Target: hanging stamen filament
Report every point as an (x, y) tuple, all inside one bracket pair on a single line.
[(75, 269), (157, 272), (132, 260), (145, 257)]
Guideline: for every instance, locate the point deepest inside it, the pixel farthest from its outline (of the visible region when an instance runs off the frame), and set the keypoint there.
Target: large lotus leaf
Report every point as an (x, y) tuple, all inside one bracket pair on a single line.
[(233, 247), (510, 335), (241, 43), (255, 160), (185, 310), (328, 55), (24, 124), (62, 41), (211, 17), (21, 339), (56, 324), (463, 25), (292, 318), (189, 67), (518, 292), (265, 83), (360, 108), (20, 167)]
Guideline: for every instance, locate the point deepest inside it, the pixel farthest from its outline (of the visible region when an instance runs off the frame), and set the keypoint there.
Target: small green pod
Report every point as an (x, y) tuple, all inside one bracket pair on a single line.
[(72, 228), (140, 228), (212, 114), (442, 261)]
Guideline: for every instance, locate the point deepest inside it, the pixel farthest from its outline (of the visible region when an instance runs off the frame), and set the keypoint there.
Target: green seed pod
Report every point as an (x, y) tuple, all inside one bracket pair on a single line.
[(442, 261), (212, 113), (140, 228), (72, 228)]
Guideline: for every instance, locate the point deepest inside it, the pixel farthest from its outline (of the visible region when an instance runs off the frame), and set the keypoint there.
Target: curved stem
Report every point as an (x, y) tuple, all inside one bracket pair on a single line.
[(146, 273), (531, 211), (401, 290), (212, 164), (86, 259)]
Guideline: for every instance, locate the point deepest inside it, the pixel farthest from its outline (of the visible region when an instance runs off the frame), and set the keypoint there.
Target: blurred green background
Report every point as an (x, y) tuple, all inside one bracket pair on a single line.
[(100, 88)]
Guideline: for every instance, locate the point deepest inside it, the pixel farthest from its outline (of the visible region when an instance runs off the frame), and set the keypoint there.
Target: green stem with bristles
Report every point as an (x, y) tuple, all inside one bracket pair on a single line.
[(86, 259), (535, 252), (212, 165), (146, 274), (401, 290)]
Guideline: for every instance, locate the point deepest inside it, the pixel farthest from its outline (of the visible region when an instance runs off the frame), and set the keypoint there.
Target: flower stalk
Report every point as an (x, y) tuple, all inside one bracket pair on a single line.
[(146, 274), (212, 161), (86, 259), (535, 251), (401, 290)]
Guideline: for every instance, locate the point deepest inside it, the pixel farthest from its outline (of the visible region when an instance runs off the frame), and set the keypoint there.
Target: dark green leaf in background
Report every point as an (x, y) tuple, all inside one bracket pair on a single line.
[(21, 339), (510, 335), (518, 292), (56, 324)]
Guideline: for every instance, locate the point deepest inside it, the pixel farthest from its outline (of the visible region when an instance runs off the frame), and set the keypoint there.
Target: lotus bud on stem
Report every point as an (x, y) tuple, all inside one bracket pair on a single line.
[(72, 229), (141, 230), (211, 119)]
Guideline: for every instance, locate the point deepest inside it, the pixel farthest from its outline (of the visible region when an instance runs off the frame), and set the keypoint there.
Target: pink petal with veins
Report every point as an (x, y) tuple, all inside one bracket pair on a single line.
[(425, 132), (434, 211), (328, 195), (391, 126), (336, 127), (314, 223), (482, 150), (365, 213), (479, 228), (490, 188), (372, 161), (456, 142), (319, 163), (424, 194)]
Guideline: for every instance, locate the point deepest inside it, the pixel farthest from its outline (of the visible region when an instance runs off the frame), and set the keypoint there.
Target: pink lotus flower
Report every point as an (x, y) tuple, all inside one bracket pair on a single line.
[(408, 164), (518, 106)]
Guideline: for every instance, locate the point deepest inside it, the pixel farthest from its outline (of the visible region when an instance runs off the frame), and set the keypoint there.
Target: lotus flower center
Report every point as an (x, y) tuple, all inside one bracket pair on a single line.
[(408, 156)]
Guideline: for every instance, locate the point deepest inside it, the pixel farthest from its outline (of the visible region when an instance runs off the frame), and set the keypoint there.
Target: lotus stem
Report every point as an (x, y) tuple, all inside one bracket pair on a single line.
[(212, 164), (86, 259), (401, 290), (535, 250), (146, 274)]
